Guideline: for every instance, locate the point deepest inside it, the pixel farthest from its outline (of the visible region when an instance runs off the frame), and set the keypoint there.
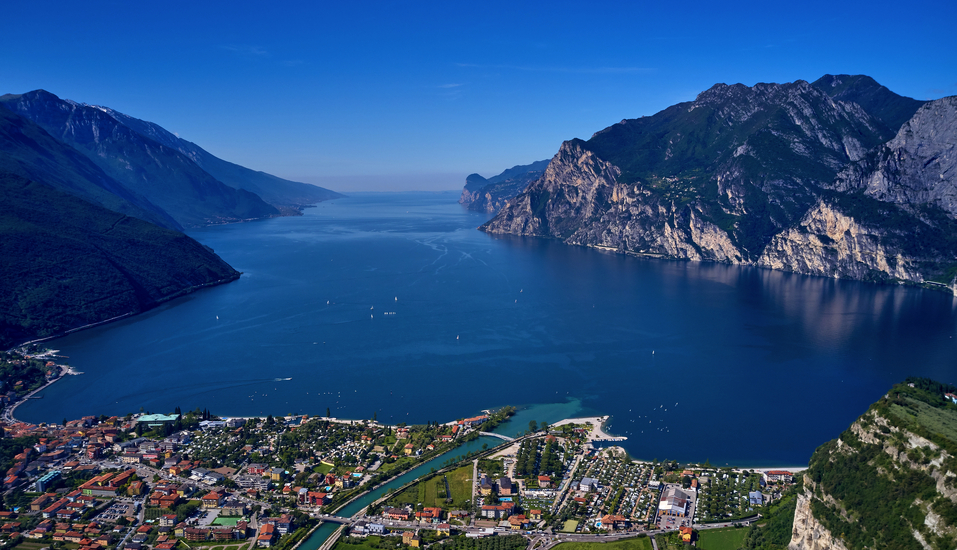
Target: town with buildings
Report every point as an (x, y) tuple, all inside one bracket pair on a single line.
[(163, 481)]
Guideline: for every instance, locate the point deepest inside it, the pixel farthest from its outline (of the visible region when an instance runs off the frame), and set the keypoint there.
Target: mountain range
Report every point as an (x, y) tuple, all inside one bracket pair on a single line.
[(840, 177), (192, 186), (92, 208)]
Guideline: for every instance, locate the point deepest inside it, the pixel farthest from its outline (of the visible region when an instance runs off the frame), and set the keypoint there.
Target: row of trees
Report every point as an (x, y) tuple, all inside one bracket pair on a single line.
[(553, 459), (526, 463)]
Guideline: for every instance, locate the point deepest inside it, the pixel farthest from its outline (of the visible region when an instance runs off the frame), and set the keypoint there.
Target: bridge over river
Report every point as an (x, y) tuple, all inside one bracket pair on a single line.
[(500, 436), (334, 519)]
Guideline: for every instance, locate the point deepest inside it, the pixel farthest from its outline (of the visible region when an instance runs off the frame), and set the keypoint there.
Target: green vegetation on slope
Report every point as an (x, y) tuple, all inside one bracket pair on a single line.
[(775, 533), (68, 263), (27, 150), (166, 177), (891, 109), (884, 487)]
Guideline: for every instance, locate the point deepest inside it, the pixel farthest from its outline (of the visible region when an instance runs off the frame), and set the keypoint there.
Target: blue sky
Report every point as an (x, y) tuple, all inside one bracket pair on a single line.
[(415, 95)]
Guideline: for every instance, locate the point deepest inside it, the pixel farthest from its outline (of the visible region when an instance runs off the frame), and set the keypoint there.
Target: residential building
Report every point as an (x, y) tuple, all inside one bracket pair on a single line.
[(505, 487)]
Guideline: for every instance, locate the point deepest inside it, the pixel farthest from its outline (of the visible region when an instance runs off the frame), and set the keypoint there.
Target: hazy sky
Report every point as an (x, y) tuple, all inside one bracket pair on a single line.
[(415, 95)]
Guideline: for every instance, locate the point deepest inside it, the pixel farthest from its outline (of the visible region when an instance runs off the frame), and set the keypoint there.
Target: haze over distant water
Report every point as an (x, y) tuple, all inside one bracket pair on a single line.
[(394, 304)]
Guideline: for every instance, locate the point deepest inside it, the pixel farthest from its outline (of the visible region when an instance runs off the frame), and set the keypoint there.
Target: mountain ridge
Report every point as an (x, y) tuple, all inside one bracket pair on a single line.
[(164, 176), (275, 190), (29, 151), (92, 209), (732, 175), (490, 195), (69, 263)]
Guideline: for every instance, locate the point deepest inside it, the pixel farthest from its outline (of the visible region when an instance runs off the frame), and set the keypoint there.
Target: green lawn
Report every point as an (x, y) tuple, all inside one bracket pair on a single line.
[(352, 543), (155, 512), (638, 543), (570, 526), (227, 522), (431, 492), (460, 483), (730, 538)]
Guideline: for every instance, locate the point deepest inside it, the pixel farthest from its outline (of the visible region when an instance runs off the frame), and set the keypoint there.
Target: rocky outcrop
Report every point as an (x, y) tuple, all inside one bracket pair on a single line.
[(579, 200), (830, 243), (918, 167), (808, 533), (779, 176)]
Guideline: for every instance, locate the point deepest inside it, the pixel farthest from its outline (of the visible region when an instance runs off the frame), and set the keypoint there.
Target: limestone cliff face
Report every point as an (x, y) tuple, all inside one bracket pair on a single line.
[(808, 533), (830, 243), (916, 168), (579, 201), (778, 176)]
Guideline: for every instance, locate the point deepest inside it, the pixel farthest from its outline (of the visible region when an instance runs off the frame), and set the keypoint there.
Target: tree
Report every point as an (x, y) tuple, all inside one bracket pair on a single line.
[(328, 413), (532, 426)]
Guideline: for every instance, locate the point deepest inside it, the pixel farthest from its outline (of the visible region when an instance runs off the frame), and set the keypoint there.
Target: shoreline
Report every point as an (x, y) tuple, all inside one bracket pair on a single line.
[(8, 411), (596, 433)]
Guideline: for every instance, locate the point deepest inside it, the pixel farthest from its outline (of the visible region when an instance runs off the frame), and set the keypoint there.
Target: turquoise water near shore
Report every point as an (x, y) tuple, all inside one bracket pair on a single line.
[(394, 305)]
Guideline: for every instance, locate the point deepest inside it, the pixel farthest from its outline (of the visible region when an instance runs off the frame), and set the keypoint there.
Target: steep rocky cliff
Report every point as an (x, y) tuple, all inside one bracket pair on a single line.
[(917, 168), (808, 532), (781, 176), (890, 481), (580, 201)]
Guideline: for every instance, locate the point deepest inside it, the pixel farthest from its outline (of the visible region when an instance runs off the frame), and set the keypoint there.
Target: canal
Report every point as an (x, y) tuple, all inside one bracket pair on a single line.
[(326, 529)]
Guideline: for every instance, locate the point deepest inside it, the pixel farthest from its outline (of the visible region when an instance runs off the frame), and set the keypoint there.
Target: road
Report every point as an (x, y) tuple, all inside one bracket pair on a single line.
[(474, 485), (562, 498)]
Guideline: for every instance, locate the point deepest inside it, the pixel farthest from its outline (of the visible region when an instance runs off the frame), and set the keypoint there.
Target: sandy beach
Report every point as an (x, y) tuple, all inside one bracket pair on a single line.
[(596, 423)]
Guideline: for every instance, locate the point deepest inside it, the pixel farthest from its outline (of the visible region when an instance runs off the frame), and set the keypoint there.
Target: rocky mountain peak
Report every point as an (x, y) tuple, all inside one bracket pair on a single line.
[(890, 109), (746, 174)]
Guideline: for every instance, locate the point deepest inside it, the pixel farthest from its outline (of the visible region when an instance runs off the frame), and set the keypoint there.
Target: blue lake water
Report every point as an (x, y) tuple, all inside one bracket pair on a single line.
[(393, 304)]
